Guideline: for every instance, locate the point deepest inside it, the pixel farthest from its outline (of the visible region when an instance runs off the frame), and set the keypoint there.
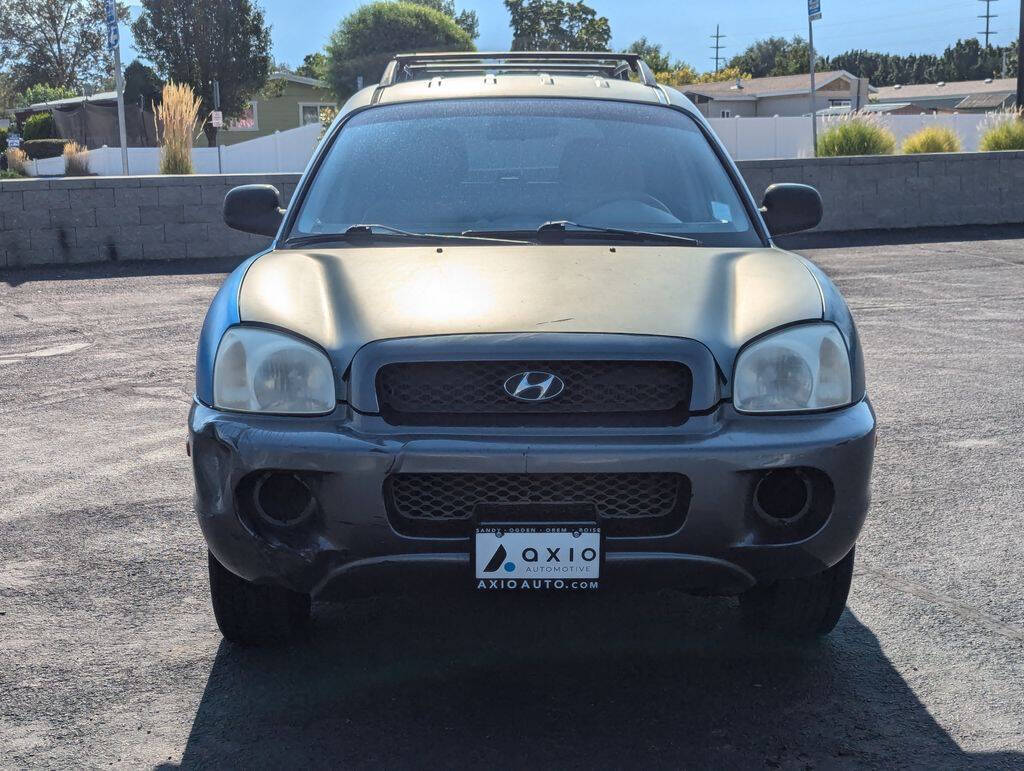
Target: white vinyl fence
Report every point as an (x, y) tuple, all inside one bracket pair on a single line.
[(284, 151), (749, 139), (290, 151)]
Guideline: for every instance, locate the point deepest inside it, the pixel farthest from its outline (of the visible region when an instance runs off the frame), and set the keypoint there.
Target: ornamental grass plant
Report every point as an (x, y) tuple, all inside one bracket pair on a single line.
[(933, 139), (855, 134), (76, 160), (1003, 130), (176, 118)]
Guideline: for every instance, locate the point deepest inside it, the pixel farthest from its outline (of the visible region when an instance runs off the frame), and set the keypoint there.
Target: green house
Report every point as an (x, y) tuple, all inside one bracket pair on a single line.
[(298, 103)]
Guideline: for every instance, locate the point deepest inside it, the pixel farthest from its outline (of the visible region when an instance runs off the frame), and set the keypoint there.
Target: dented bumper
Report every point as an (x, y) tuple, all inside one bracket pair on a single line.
[(722, 543)]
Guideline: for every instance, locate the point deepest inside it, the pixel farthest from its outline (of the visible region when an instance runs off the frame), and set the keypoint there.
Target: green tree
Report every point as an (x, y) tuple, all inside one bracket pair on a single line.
[(466, 20), (964, 60), (775, 56), (366, 40), (198, 41), (655, 58), (141, 85), (60, 42), (557, 25), (42, 92), (685, 75), (313, 66)]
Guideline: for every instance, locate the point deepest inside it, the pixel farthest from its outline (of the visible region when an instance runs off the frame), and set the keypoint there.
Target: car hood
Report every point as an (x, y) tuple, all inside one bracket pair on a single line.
[(344, 298)]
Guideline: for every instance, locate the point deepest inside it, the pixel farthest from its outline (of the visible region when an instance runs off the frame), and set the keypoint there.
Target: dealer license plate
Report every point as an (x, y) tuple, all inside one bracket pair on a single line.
[(527, 557)]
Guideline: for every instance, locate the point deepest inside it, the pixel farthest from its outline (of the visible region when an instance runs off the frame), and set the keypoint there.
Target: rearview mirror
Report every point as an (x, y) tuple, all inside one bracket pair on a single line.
[(254, 209), (790, 208)]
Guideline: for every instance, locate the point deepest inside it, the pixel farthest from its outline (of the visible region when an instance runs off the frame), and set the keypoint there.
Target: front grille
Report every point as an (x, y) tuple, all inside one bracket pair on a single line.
[(597, 393), (625, 504)]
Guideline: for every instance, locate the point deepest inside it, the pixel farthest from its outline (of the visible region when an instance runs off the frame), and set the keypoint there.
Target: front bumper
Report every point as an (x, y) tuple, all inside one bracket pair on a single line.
[(352, 543)]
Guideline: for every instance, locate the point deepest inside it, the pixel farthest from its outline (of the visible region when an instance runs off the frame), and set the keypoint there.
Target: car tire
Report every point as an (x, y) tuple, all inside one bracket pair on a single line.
[(801, 607), (254, 614)]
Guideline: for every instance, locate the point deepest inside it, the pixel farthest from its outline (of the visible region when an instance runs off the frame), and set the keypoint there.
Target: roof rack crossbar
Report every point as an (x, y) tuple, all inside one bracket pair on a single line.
[(517, 67), (617, 64)]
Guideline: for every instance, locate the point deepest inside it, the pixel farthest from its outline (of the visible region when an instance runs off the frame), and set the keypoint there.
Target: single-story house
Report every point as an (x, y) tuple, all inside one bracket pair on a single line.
[(963, 96), (92, 120), (296, 102), (786, 95)]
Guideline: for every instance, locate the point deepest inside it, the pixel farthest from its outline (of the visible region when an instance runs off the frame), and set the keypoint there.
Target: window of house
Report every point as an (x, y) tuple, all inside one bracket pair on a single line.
[(309, 112), (247, 121), (726, 113), (840, 102)]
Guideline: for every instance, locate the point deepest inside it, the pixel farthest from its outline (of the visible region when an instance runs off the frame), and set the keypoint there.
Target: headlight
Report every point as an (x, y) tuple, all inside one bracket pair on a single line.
[(801, 368), (259, 370)]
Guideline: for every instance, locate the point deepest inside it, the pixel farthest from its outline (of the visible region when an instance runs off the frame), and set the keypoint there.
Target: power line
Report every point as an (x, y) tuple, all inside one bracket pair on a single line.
[(988, 16), (717, 47)]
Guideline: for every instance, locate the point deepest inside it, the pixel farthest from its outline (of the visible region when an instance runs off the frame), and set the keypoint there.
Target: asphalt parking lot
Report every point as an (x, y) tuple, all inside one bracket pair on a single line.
[(109, 654)]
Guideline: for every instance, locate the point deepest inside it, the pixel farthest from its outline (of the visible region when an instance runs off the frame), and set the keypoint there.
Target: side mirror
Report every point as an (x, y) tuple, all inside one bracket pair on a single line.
[(254, 209), (790, 208)]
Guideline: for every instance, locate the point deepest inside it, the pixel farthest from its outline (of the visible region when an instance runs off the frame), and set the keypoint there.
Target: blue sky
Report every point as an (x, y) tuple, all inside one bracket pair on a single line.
[(684, 26)]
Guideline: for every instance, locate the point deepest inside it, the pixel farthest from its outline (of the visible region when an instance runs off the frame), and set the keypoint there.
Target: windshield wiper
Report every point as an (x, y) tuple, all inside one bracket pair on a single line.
[(367, 233), (564, 229)]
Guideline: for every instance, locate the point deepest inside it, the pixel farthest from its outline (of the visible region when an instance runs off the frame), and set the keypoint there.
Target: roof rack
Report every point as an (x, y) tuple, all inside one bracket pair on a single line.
[(612, 65)]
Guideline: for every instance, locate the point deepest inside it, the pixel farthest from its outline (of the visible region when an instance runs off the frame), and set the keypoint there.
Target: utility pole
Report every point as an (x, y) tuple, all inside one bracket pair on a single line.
[(717, 47), (988, 16), (813, 14), (114, 47), (1020, 69)]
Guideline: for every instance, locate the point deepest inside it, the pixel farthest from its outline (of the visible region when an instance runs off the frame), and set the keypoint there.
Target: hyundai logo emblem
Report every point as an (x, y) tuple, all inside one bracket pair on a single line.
[(534, 386)]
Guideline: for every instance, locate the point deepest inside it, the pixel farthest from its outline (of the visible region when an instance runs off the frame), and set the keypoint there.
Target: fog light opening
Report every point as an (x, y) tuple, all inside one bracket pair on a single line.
[(283, 499), (783, 496)]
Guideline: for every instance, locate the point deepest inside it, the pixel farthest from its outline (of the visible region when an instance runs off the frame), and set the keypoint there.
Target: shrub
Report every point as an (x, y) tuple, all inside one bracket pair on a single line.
[(933, 139), (17, 161), (366, 40), (1003, 130), (39, 126), (855, 134), (8, 174), (3, 140), (177, 114), (76, 160), (37, 149)]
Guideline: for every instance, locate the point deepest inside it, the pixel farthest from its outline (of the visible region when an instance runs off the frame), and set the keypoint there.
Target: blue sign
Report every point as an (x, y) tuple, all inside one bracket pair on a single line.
[(14, 140), (814, 9), (113, 36)]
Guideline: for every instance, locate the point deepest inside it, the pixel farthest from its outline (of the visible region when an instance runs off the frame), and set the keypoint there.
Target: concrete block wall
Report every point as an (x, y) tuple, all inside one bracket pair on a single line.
[(89, 219), (904, 191), (96, 219)]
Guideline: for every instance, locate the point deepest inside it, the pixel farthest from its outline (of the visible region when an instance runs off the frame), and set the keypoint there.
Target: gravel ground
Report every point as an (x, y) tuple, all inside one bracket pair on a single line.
[(109, 654)]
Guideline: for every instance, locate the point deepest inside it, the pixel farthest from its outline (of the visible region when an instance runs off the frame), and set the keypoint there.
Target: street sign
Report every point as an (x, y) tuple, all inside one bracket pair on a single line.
[(113, 36), (217, 119), (14, 140), (814, 9), (114, 49)]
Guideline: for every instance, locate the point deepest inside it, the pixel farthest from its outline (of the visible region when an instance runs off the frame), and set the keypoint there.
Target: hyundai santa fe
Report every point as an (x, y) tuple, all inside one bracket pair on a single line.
[(523, 328)]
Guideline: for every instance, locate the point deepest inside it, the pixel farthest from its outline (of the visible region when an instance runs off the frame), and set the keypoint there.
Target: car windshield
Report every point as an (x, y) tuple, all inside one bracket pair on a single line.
[(511, 165)]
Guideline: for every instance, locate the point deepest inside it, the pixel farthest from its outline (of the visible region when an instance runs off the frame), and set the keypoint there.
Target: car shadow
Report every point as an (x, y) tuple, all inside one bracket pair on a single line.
[(562, 681)]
